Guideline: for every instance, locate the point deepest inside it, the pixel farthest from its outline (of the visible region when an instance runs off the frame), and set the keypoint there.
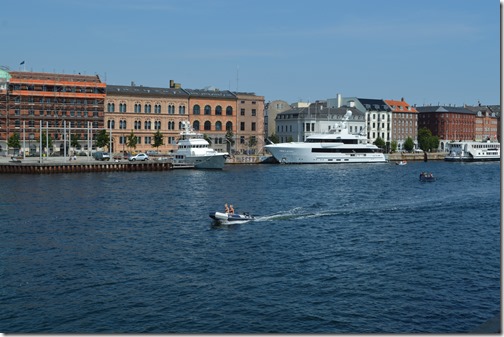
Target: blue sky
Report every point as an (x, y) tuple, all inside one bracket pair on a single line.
[(429, 52)]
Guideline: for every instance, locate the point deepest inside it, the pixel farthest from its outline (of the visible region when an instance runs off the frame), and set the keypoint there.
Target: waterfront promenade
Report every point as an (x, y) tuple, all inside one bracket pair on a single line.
[(37, 165)]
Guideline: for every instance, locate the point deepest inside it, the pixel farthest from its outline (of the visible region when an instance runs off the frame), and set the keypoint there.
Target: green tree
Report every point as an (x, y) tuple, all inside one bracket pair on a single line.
[(252, 142), (433, 143), (229, 140), (409, 144), (158, 139), (424, 138), (14, 142), (102, 139), (46, 141), (74, 142), (379, 142), (207, 138), (274, 138), (393, 146), (131, 141)]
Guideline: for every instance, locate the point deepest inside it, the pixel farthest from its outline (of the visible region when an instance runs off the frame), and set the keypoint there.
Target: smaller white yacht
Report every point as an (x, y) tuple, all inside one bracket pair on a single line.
[(473, 151), (194, 150)]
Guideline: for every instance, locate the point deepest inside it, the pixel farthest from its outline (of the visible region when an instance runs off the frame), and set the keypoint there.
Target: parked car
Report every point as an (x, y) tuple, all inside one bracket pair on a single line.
[(101, 155), (140, 157)]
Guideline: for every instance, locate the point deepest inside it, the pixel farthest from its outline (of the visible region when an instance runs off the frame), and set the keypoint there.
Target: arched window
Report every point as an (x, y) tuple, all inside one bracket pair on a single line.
[(147, 125), (196, 109), (229, 126), (111, 124), (181, 110), (171, 109), (218, 126), (195, 125), (218, 110), (229, 111), (208, 126), (208, 110)]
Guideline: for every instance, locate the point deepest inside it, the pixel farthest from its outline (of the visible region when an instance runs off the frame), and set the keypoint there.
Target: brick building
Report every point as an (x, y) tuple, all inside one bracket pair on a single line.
[(58, 102), (448, 123), (404, 122)]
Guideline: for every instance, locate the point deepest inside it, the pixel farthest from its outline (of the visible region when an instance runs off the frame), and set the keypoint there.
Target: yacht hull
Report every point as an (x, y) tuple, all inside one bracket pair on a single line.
[(292, 153), (212, 162)]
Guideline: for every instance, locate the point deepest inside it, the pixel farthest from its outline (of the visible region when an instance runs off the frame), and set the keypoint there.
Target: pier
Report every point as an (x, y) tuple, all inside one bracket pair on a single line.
[(83, 165)]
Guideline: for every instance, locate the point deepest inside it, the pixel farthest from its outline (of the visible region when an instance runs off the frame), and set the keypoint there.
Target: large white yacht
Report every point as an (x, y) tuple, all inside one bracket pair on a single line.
[(194, 150), (333, 147), (473, 151)]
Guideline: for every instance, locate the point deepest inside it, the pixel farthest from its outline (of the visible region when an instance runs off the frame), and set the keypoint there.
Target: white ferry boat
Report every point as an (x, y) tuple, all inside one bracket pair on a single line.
[(473, 151), (336, 146), (194, 150)]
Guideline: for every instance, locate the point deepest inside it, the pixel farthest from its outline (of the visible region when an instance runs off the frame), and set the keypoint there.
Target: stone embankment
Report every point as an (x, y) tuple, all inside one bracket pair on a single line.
[(83, 164), (60, 165)]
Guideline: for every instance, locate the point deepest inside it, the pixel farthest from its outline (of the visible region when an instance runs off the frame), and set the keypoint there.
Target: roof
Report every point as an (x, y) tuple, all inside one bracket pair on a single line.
[(374, 104), (444, 109), (133, 89), (400, 106), (210, 93)]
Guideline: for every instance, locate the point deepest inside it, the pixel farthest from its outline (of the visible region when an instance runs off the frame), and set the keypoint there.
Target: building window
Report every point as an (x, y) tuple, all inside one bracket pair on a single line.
[(157, 125), (208, 110), (111, 124), (253, 112), (171, 109), (218, 110), (148, 140), (229, 126), (229, 111), (253, 126), (218, 126), (147, 108), (208, 126), (242, 126), (138, 125), (171, 125), (147, 125), (196, 125), (181, 110), (196, 109), (242, 112), (110, 107), (122, 107), (157, 109)]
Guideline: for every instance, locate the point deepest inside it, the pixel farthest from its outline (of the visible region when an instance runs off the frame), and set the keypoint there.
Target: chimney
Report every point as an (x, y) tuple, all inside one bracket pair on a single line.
[(338, 100), (351, 104), (172, 83), (402, 99)]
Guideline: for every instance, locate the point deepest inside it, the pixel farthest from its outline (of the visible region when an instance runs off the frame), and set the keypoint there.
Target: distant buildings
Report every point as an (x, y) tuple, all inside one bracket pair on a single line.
[(79, 106), (392, 120), (74, 108)]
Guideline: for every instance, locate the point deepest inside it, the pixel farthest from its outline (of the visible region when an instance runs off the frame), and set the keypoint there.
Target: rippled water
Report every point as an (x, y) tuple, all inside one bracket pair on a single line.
[(334, 249)]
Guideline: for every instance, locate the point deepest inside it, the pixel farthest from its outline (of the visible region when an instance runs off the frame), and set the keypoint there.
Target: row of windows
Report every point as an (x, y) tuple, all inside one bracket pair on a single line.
[(71, 113), (57, 88), (48, 100), (71, 124), (147, 125), (147, 108)]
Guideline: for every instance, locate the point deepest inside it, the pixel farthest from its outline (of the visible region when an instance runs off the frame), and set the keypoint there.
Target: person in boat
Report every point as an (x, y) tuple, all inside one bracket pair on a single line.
[(231, 209), (226, 208)]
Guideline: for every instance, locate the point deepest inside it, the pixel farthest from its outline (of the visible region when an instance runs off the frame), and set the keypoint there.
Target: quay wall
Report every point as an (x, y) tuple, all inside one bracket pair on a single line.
[(51, 168)]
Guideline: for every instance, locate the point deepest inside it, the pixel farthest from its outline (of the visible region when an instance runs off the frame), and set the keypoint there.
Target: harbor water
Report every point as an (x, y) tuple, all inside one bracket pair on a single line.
[(358, 248)]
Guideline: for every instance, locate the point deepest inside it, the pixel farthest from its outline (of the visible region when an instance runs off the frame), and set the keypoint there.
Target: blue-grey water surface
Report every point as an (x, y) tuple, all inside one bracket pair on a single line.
[(335, 249)]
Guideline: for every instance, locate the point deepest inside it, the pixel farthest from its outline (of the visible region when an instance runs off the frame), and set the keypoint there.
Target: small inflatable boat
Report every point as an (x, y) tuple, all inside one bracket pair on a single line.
[(219, 216)]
